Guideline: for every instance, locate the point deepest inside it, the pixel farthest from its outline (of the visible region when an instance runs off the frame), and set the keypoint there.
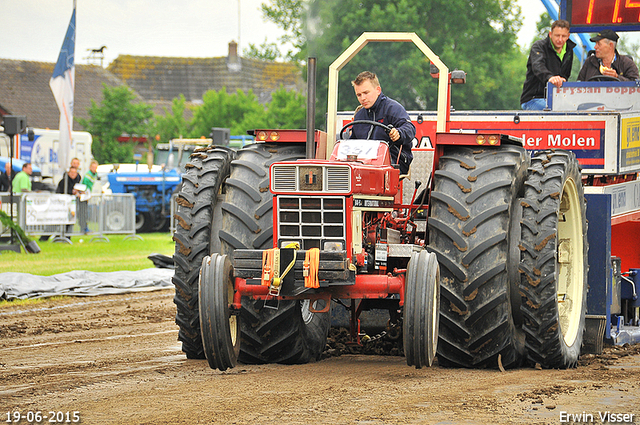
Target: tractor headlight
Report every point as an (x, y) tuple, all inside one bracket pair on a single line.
[(333, 246), (285, 243)]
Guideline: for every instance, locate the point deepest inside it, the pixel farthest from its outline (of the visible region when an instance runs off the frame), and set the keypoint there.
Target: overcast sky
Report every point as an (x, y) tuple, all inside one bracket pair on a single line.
[(34, 29)]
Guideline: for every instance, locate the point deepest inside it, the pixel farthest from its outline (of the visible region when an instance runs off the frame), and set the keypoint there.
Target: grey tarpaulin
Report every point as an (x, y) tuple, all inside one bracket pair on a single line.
[(83, 283)]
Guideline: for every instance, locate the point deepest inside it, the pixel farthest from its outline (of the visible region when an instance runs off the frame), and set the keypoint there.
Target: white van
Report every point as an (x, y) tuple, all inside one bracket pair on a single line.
[(43, 151)]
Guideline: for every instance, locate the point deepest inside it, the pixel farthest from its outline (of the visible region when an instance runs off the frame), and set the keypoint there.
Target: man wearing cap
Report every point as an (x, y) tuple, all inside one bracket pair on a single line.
[(606, 61), (549, 61)]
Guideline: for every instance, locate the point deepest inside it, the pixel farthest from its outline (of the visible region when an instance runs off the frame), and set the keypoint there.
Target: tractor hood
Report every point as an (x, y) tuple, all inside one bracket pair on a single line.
[(312, 176)]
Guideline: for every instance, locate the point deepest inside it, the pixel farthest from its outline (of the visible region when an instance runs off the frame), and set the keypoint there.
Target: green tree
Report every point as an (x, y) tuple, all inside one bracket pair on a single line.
[(287, 109), (627, 46), (543, 26), (116, 115), (241, 112), (288, 14), (266, 51), (173, 124), (478, 37), (221, 109)]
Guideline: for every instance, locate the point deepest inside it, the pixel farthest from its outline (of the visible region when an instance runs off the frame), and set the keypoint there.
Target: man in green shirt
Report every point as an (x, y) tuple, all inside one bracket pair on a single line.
[(91, 176), (83, 206), (22, 180)]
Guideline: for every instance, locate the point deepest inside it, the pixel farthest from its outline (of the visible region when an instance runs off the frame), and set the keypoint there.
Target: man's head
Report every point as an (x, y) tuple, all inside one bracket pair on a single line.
[(27, 168), (93, 166), (559, 33), (75, 163), (606, 41), (367, 88), (73, 172)]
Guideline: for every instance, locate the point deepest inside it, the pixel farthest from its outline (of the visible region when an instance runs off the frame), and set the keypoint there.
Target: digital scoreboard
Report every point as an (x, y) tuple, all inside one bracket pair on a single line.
[(595, 15)]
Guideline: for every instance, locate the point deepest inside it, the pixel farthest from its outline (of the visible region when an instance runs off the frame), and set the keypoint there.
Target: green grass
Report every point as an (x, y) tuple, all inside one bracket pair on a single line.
[(30, 301), (118, 254)]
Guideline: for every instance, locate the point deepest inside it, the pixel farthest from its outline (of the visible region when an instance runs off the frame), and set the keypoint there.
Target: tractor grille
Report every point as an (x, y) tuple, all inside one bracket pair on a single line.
[(311, 178), (311, 221), (284, 178)]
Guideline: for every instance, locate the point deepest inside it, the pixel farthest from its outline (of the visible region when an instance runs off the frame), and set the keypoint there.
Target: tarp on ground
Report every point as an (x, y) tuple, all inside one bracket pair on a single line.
[(83, 283)]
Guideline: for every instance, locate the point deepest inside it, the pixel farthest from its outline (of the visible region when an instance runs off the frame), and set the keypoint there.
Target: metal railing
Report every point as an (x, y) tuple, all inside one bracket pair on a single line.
[(174, 211), (100, 215)]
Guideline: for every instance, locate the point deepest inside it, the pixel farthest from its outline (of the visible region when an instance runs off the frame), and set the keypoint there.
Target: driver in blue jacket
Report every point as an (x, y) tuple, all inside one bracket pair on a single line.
[(378, 107)]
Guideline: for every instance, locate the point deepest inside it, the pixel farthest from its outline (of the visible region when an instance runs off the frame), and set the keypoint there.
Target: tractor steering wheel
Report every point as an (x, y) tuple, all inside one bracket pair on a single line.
[(387, 128), (603, 78)]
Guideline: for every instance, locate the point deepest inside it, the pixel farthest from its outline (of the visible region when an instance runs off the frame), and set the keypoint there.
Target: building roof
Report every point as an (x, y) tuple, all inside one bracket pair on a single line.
[(164, 78), (24, 85), (24, 90)]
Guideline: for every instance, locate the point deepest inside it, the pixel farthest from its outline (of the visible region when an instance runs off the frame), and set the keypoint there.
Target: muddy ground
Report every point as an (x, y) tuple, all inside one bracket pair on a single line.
[(116, 359)]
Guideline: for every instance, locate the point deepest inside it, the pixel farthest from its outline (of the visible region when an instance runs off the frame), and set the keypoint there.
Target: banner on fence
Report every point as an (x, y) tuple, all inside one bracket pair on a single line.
[(50, 209)]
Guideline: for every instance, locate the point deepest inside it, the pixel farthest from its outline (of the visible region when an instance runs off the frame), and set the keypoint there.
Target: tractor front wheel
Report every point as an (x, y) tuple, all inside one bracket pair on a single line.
[(421, 309), (220, 328), (196, 200), (292, 333)]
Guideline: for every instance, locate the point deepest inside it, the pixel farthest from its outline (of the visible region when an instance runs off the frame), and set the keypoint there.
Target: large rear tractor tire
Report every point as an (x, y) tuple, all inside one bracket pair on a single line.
[(201, 182), (554, 260), (421, 309), (292, 333), (474, 230)]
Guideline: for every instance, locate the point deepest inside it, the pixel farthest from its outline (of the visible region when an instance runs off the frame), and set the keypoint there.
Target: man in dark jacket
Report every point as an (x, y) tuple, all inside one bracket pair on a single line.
[(6, 177), (549, 61), (72, 178), (378, 107), (606, 61)]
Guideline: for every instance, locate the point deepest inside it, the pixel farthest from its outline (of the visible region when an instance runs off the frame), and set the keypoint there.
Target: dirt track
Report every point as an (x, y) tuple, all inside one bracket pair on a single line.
[(116, 359)]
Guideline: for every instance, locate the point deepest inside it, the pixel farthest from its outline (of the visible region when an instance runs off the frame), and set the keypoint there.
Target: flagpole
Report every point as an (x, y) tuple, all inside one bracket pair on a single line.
[(62, 85)]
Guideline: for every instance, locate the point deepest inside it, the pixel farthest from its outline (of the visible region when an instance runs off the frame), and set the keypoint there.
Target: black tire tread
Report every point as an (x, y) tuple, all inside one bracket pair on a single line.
[(538, 286), (267, 335), (475, 192), (196, 200)]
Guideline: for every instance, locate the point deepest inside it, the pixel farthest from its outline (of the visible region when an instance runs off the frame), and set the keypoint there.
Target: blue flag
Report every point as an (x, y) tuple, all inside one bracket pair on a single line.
[(62, 85)]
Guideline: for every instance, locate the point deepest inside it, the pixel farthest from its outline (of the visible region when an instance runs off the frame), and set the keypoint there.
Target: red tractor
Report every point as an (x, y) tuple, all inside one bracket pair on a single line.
[(484, 255)]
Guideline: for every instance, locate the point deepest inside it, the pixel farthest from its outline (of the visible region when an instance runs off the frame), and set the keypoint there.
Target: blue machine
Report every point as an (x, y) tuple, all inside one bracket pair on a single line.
[(17, 165), (36, 175), (152, 192), (612, 304)]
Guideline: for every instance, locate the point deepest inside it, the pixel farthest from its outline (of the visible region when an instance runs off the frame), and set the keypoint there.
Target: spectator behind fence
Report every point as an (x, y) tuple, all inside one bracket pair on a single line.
[(75, 163), (71, 182), (72, 177), (91, 176), (22, 180), (83, 206), (5, 178)]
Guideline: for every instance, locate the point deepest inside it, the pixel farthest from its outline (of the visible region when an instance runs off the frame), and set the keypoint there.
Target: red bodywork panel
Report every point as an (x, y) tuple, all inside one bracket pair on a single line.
[(366, 286), (292, 136)]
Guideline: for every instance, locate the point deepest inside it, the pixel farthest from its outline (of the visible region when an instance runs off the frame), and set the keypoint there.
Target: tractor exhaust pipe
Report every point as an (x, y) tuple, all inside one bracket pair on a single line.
[(311, 107)]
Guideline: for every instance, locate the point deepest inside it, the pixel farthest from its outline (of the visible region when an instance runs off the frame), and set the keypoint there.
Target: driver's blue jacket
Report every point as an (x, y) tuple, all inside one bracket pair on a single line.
[(389, 112)]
